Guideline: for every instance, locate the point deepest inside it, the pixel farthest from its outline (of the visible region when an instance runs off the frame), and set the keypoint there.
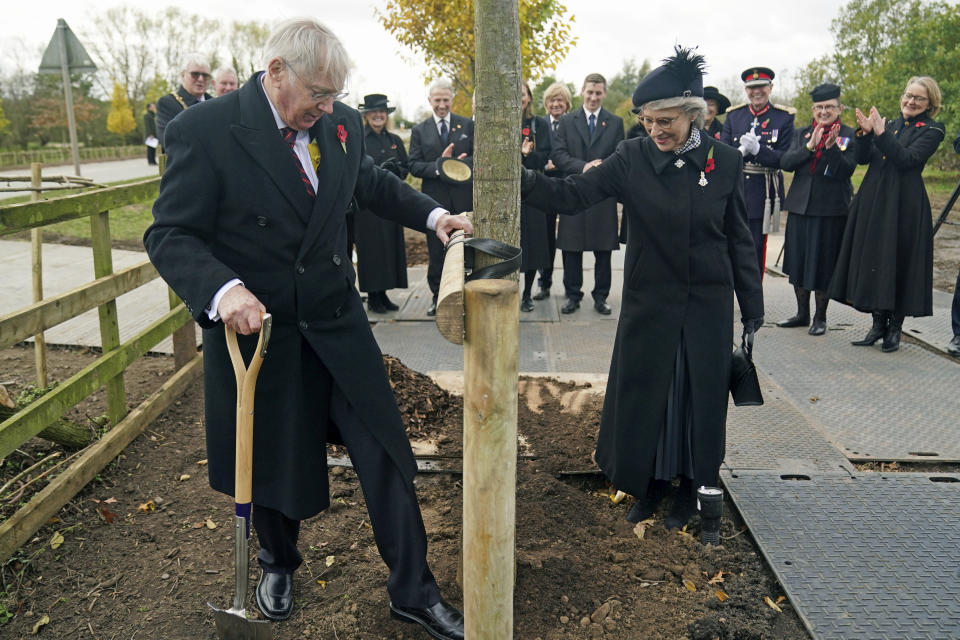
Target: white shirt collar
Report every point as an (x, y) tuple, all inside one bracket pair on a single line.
[(436, 120), (589, 113), (276, 115)]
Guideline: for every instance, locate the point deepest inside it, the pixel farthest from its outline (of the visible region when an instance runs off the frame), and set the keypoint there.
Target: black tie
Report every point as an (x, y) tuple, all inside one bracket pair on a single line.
[(556, 125), (444, 134), (593, 124)]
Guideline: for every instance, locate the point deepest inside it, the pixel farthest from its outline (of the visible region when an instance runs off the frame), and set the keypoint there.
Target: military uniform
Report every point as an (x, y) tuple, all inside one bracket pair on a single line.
[(762, 181)]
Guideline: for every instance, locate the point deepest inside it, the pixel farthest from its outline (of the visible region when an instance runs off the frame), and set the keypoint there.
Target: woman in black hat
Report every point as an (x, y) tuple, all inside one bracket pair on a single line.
[(535, 147), (381, 255), (822, 157), (689, 249), (717, 104), (886, 258)]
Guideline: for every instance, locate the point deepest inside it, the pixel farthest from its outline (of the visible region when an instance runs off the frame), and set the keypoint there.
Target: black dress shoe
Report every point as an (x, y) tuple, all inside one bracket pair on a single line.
[(543, 294), (432, 309), (388, 304), (441, 620), (794, 321), (602, 307), (954, 347), (526, 305), (374, 304), (570, 306), (275, 595), (818, 328)]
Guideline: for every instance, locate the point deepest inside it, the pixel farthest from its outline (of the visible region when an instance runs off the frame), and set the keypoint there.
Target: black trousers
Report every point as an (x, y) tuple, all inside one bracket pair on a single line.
[(759, 241), (435, 266), (955, 309), (391, 504), (151, 155), (546, 275), (573, 275)]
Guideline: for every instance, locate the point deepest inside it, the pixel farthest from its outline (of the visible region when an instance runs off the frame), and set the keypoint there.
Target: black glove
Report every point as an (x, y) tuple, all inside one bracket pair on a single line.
[(528, 180), (752, 325), (391, 165)]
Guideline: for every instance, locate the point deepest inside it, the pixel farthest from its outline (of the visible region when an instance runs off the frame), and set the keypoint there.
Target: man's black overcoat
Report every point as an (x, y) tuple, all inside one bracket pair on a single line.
[(573, 147), (426, 147), (886, 259), (169, 108), (688, 250), (232, 205)]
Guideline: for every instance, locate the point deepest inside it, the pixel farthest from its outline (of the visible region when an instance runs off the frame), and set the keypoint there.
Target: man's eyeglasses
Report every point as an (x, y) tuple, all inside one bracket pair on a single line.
[(320, 97), (196, 75), (918, 99), (663, 123)]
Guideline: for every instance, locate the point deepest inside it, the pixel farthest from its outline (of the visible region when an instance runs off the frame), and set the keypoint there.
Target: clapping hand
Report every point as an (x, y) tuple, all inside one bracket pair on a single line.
[(879, 122), (815, 137), (831, 138), (526, 147), (749, 143), (448, 153), (865, 123)]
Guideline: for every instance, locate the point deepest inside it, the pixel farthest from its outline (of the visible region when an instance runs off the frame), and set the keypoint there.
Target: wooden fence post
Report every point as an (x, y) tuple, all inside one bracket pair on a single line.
[(36, 255), (489, 457), (109, 325)]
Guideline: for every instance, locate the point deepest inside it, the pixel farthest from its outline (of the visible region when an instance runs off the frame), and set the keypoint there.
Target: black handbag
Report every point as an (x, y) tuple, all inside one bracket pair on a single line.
[(744, 385)]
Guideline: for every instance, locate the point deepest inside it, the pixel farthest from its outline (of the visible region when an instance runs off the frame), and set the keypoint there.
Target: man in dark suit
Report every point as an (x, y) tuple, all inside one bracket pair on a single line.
[(238, 230), (445, 135), (584, 138), (194, 80)]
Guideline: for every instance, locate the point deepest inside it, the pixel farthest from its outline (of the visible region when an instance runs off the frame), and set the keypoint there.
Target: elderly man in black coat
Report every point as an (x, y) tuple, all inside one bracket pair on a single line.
[(442, 135), (584, 138), (238, 231), (194, 80)]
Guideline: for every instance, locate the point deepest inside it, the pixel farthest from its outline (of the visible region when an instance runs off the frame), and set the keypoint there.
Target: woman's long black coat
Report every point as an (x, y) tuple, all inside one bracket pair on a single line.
[(381, 254), (688, 250), (533, 221), (886, 259)]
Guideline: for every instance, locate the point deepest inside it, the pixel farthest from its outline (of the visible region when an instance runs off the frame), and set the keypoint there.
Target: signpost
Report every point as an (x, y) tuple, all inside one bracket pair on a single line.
[(64, 55)]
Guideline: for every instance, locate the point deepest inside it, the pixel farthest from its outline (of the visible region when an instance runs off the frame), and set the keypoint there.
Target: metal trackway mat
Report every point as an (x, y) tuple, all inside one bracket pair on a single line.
[(874, 556), (891, 406)]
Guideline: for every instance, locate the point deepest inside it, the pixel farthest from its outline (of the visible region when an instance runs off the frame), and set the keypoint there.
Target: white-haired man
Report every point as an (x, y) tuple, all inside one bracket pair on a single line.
[(251, 218), (225, 81), (443, 134), (194, 80)]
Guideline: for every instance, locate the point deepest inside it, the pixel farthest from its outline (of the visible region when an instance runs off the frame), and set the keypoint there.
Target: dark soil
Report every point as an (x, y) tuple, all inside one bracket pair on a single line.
[(416, 245), (131, 569)]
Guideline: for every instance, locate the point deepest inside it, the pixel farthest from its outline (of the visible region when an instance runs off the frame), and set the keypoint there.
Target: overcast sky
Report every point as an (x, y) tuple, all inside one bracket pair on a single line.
[(783, 36)]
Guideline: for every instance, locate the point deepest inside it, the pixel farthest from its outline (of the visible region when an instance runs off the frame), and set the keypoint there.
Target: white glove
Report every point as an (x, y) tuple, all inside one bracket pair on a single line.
[(750, 143)]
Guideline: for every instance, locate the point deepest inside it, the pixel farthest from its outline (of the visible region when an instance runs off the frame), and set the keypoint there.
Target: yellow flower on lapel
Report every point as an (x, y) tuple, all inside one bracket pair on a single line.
[(314, 148)]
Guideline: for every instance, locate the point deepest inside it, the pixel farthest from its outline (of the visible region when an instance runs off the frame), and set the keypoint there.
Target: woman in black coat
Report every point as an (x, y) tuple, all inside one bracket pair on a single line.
[(822, 157), (886, 259), (535, 147), (688, 251), (717, 104), (381, 254)]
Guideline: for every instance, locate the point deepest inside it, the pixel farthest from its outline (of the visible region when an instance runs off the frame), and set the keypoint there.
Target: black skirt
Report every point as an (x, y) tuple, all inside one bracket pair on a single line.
[(811, 247)]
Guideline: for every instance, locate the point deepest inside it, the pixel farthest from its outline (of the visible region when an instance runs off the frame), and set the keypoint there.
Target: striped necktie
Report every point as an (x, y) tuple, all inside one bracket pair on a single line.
[(290, 137)]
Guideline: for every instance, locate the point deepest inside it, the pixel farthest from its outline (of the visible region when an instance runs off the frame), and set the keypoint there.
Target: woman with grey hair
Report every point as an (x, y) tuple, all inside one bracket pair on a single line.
[(688, 251)]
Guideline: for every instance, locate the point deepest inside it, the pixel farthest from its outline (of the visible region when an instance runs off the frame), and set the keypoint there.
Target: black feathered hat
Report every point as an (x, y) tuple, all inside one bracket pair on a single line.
[(712, 93), (375, 102), (825, 91), (680, 76)]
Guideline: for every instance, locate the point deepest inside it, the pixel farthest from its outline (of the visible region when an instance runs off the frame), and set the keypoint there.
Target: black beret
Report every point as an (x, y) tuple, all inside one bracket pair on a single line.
[(757, 76), (712, 93), (825, 91), (681, 75)]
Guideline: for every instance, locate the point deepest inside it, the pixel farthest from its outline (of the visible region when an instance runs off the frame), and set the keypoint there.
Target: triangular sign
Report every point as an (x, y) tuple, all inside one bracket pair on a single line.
[(78, 60)]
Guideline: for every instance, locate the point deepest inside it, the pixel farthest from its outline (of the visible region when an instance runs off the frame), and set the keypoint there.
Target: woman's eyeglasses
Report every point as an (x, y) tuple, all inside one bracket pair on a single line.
[(907, 97), (663, 123)]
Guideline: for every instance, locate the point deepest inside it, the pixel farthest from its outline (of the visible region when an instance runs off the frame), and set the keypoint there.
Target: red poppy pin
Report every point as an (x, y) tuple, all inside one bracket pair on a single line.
[(710, 164), (525, 132), (919, 124), (342, 136), (765, 123)]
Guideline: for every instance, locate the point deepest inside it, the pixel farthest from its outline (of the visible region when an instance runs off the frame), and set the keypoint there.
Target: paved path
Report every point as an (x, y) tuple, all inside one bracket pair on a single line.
[(100, 172)]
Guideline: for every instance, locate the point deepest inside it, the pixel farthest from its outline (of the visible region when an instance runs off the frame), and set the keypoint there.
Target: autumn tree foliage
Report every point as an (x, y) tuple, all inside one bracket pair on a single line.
[(442, 33), (4, 123), (120, 120)]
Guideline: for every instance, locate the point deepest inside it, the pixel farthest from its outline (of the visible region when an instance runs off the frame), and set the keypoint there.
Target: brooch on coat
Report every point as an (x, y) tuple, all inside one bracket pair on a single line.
[(314, 149), (342, 136), (709, 166)]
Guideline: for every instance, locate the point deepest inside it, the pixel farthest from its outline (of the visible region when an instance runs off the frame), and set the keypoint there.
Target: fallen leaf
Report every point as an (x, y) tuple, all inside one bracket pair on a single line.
[(322, 583), (618, 497), (5, 399), (814, 398), (110, 501), (689, 585), (772, 604), (185, 476), (108, 516), (641, 529), (149, 505), (45, 620), (717, 579), (202, 462), (56, 540), (781, 599), (721, 596), (198, 525), (330, 560), (210, 524)]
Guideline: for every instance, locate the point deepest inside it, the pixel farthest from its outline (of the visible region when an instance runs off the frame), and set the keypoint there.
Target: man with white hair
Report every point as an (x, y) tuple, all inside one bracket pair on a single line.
[(194, 80), (251, 219), (442, 135), (225, 81)]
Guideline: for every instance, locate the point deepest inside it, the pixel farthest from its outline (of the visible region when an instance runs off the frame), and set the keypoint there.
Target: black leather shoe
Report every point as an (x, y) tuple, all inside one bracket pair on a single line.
[(543, 294), (441, 620), (432, 309), (877, 331), (275, 595), (954, 347), (570, 306), (794, 321), (526, 305), (818, 328), (891, 341), (602, 307), (388, 304), (374, 305)]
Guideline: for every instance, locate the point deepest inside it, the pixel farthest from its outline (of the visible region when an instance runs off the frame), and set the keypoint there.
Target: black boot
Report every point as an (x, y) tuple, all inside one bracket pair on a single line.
[(877, 331), (388, 304), (819, 325), (802, 318), (684, 505), (375, 303), (891, 339), (645, 507)]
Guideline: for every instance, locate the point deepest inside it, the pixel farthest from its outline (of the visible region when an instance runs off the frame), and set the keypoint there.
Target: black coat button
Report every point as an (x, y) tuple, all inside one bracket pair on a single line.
[(336, 259), (303, 325), (300, 268), (261, 221), (338, 312)]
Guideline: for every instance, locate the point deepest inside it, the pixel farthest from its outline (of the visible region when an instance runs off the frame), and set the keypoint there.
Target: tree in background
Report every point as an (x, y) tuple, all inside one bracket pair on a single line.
[(4, 123), (245, 46), (120, 120), (442, 33)]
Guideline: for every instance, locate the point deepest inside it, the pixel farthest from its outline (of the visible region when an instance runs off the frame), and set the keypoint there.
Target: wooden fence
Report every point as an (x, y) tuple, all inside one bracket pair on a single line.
[(108, 369), (62, 155)]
